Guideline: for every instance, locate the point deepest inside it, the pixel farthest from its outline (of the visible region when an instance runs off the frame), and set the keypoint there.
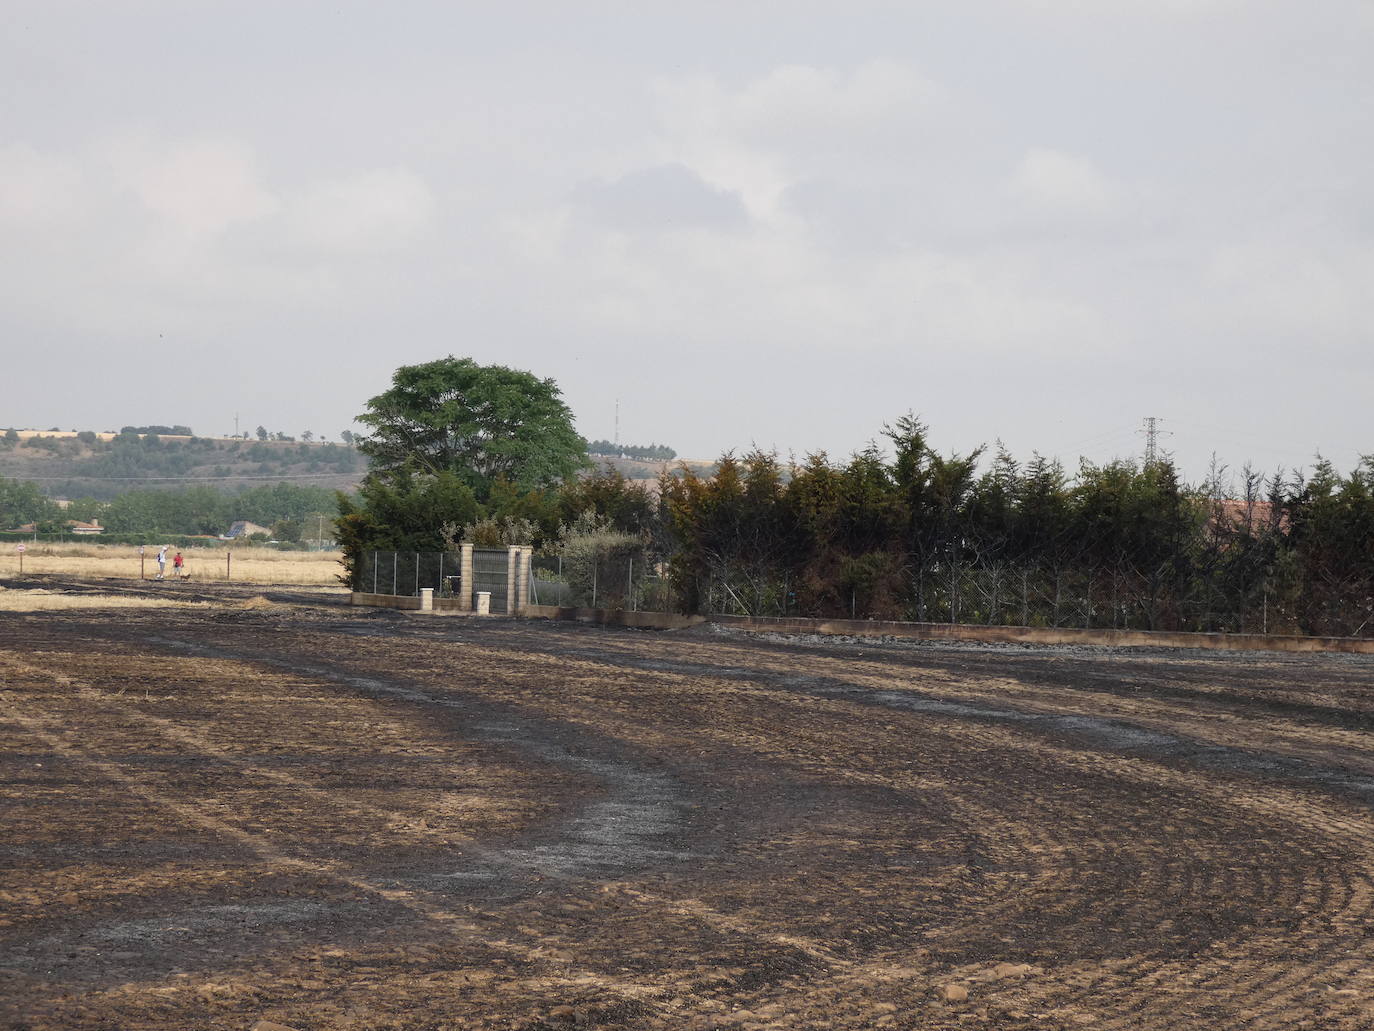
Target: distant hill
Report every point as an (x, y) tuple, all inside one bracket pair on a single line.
[(88, 464), (637, 469), (101, 465)]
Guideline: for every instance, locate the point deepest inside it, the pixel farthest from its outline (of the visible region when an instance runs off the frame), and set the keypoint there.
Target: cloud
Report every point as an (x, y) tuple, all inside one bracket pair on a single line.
[(1060, 183), (662, 198), (37, 187), (800, 100), (375, 210), (199, 186), (1150, 9), (1291, 290), (795, 121)]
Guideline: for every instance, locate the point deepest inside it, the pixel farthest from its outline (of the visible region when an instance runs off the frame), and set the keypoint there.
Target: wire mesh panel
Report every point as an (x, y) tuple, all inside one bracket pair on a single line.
[(489, 571), (549, 592), (381, 572), (406, 572)]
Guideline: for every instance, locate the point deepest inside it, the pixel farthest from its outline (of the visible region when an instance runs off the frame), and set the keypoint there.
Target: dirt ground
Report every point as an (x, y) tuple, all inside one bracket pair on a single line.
[(288, 810)]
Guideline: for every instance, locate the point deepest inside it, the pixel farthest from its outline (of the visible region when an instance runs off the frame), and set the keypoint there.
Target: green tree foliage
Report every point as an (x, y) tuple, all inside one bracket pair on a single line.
[(185, 512), (639, 452), (195, 510), (405, 512), (167, 431), (596, 559), (480, 423), (268, 503), (920, 535), (23, 503), (1332, 535)]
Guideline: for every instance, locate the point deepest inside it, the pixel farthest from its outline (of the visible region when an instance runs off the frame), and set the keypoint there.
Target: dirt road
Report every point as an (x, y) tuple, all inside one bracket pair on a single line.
[(341, 819)]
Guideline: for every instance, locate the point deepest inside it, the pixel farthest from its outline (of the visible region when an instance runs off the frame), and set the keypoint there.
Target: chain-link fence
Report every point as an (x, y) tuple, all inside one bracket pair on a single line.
[(600, 578), (1009, 595), (405, 572), (618, 578)]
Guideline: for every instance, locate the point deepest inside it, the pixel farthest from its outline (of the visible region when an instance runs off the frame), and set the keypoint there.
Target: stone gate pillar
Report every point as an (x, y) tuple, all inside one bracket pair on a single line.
[(465, 572), (512, 576), (522, 580)]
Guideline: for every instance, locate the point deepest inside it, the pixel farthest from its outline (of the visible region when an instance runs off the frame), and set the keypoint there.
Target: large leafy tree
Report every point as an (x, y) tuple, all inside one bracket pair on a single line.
[(482, 423), (22, 502)]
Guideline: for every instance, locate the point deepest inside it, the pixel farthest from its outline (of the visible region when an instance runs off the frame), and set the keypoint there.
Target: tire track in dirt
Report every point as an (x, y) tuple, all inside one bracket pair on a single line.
[(760, 936), (1251, 889), (203, 744), (611, 835), (1063, 827), (425, 905), (1069, 876)]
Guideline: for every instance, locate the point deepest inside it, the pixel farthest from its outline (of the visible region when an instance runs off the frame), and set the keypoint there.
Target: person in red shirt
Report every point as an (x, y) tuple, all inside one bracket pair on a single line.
[(177, 563)]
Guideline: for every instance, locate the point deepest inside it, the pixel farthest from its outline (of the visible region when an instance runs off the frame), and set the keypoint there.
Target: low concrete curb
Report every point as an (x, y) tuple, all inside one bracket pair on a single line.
[(383, 601), (616, 617), (1050, 635), (914, 631)]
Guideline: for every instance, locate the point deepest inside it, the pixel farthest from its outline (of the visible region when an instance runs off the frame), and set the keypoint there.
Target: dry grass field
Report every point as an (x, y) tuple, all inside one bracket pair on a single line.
[(273, 807), (121, 562), (40, 600)]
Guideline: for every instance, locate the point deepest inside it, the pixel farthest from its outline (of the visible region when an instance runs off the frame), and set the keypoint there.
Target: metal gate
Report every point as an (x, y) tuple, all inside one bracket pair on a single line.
[(489, 566)]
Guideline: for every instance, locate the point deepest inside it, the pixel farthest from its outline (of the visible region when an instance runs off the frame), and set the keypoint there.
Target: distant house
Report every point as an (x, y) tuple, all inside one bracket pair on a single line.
[(1253, 516), (243, 528), (90, 529)]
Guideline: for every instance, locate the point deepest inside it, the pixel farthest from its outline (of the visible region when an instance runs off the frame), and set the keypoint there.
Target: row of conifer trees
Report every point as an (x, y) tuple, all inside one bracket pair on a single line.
[(908, 533)]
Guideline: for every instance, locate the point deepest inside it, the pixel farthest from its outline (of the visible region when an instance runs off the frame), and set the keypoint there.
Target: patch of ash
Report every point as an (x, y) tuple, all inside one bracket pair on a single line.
[(1128, 738), (1103, 733), (170, 931), (114, 949), (629, 829)]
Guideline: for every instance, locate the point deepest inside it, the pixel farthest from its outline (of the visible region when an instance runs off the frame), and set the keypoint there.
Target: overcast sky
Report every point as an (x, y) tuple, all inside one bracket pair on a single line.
[(773, 224)]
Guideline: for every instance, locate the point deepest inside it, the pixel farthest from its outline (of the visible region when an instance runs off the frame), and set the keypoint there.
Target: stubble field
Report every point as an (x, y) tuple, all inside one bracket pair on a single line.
[(229, 564), (267, 806)]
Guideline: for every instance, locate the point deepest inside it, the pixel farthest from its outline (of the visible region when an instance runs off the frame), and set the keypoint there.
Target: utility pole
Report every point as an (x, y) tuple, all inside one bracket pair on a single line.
[(1152, 433), (236, 424), (617, 426)]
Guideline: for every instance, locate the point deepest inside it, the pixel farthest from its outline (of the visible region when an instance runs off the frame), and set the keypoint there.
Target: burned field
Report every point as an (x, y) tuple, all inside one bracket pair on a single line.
[(340, 819)]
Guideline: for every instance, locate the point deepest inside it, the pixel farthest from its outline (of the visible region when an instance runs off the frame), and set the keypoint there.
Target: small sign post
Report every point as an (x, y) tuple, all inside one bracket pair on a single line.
[(141, 560), (21, 549)]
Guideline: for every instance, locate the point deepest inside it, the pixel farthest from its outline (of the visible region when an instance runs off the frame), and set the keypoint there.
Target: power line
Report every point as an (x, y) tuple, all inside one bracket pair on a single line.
[(184, 479)]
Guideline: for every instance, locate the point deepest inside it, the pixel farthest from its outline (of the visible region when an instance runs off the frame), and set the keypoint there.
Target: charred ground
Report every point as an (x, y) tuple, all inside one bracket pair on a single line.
[(342, 819)]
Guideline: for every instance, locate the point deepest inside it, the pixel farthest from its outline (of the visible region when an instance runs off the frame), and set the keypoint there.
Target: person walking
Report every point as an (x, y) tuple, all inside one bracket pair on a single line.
[(161, 563), (177, 563)]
